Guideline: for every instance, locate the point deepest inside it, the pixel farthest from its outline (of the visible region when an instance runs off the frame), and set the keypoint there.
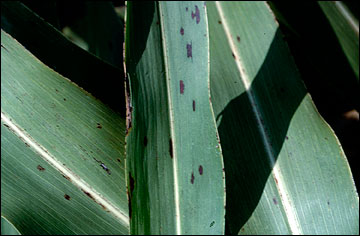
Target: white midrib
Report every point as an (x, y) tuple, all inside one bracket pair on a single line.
[(173, 138), (276, 172), (78, 182)]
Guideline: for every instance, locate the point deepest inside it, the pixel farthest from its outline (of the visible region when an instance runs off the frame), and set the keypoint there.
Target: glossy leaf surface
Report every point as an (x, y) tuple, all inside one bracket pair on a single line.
[(285, 170), (174, 162), (62, 152)]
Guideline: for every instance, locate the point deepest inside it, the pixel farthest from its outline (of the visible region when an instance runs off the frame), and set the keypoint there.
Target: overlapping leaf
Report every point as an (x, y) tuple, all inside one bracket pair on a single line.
[(285, 170)]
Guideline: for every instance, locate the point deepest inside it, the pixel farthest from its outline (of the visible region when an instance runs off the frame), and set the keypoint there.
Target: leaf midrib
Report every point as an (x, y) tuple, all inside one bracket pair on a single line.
[(76, 180), (276, 172)]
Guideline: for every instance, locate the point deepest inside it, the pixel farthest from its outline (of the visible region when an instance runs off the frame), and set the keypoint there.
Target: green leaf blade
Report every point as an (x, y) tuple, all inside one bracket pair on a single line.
[(179, 150), (53, 129), (346, 28), (280, 157)]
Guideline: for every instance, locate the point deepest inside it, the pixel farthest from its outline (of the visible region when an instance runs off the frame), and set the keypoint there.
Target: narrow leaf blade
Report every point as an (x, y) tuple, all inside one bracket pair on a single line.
[(173, 152)]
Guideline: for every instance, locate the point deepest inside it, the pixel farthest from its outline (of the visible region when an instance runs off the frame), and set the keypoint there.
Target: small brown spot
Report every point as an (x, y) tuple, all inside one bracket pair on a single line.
[(276, 180), (118, 160), (103, 207), (182, 87), (242, 229), (219, 22), (200, 170), (66, 177), (88, 194), (67, 197), (56, 90), (98, 126), (64, 99), (238, 38), (275, 201), (233, 55), (170, 148), (192, 178), (189, 50), (223, 169), (196, 14), (193, 105), (287, 138), (157, 22), (40, 168), (145, 141), (182, 31)]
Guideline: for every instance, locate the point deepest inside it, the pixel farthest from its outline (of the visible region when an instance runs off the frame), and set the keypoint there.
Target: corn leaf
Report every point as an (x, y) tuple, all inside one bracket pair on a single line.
[(285, 170), (174, 162), (62, 152)]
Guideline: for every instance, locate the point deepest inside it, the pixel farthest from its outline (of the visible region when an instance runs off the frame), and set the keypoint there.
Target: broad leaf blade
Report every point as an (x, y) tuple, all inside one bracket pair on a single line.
[(52, 129), (285, 170), (175, 168), (346, 28), (49, 45)]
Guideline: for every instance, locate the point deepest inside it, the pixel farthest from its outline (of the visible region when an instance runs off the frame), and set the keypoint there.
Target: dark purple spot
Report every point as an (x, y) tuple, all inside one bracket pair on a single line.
[(328, 202), (192, 178), (287, 138), (98, 126), (275, 201), (145, 141), (219, 22), (40, 168), (182, 87), (67, 197), (132, 183), (200, 170), (193, 105), (233, 55), (130, 193), (196, 14), (189, 50), (186, 9), (171, 148), (223, 169), (238, 38), (88, 194), (182, 31)]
